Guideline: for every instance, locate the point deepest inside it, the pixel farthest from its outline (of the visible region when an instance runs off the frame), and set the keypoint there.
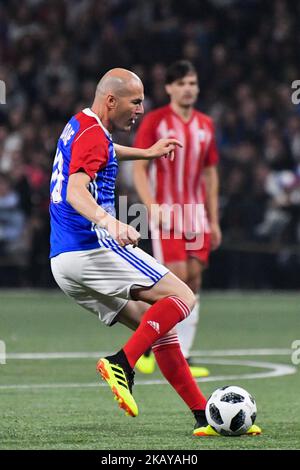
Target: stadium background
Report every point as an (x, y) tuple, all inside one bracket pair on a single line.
[(52, 53)]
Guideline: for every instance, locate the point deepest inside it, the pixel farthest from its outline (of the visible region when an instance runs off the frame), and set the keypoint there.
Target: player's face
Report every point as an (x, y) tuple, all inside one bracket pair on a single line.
[(129, 107), (184, 91)]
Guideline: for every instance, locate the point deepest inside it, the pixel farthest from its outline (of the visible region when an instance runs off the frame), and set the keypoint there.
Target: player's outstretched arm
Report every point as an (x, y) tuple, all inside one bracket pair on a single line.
[(163, 147), (83, 202)]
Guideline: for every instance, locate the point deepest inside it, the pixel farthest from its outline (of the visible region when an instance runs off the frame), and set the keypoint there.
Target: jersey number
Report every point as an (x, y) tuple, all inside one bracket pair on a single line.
[(57, 177)]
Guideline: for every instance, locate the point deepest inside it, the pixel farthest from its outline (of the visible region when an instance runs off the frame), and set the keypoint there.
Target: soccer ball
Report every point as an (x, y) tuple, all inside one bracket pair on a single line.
[(231, 410)]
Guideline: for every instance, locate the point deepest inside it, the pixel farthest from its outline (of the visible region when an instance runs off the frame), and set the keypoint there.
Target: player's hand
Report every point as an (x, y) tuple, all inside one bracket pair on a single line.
[(216, 236), (124, 234), (163, 147)]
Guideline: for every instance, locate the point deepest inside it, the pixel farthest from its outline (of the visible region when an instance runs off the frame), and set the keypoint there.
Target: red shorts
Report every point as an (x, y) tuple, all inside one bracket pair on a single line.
[(172, 250)]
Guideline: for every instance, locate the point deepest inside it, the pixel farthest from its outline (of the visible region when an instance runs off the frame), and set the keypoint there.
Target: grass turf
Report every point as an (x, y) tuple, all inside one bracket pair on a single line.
[(86, 417)]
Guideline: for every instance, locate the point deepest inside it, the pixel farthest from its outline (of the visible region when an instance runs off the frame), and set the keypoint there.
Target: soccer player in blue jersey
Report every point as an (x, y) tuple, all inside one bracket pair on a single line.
[(95, 258)]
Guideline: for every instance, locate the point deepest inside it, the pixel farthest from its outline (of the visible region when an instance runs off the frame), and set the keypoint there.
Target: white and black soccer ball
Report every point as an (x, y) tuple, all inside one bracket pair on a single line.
[(231, 410)]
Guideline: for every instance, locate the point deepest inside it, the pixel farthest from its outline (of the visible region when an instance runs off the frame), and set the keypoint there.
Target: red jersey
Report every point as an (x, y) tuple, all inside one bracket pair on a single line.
[(179, 181)]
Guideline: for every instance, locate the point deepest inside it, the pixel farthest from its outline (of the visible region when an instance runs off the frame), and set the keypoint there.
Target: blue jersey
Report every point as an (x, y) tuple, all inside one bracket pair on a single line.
[(84, 145)]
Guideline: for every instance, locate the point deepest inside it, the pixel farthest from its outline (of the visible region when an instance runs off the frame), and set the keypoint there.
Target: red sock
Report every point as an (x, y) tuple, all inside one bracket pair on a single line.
[(156, 322), (175, 369)]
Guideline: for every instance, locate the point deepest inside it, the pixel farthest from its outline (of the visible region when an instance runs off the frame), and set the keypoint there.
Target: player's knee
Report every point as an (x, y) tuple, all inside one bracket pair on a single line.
[(188, 297), (182, 275), (182, 290)]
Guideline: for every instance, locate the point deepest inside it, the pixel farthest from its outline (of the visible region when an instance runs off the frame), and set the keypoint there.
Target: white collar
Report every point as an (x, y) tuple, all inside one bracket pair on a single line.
[(91, 113)]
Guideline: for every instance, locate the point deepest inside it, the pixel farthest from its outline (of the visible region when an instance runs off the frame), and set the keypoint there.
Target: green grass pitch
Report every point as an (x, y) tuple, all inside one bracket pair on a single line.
[(57, 403)]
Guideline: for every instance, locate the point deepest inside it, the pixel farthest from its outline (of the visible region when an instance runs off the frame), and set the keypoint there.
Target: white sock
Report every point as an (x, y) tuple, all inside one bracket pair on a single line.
[(187, 328)]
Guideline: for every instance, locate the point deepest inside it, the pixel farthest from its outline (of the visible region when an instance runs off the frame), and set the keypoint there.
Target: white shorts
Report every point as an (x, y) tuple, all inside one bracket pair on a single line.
[(100, 280)]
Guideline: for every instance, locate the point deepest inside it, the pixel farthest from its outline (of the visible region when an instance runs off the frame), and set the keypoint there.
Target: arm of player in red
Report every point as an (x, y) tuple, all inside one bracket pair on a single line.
[(212, 190)]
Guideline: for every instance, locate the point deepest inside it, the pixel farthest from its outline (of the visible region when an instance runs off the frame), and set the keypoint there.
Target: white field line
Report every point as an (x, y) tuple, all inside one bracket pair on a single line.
[(275, 370), (198, 353)]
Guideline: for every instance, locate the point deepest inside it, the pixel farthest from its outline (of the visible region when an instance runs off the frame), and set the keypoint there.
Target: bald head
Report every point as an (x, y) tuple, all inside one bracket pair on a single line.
[(118, 82), (119, 99)]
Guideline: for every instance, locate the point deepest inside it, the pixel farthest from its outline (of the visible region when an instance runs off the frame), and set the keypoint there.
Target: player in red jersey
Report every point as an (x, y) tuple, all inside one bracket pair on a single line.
[(190, 182)]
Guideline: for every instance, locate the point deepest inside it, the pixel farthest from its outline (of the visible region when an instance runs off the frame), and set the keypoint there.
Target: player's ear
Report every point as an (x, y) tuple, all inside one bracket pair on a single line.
[(168, 89), (111, 101)]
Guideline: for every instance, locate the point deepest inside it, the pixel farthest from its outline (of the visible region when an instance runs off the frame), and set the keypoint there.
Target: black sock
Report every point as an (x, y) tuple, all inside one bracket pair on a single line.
[(121, 359), (200, 417)]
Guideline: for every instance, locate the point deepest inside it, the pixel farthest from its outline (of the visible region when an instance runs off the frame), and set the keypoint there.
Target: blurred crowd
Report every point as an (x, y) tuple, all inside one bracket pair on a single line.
[(53, 52)]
